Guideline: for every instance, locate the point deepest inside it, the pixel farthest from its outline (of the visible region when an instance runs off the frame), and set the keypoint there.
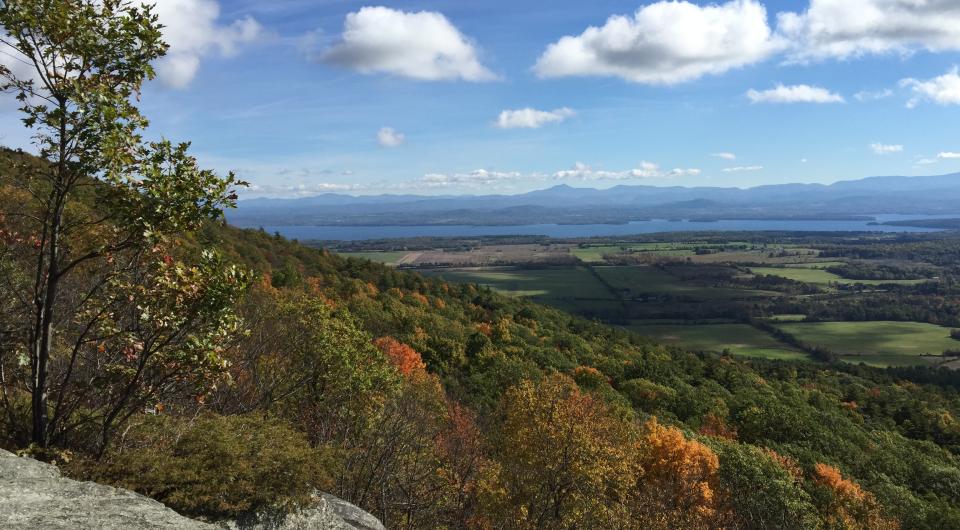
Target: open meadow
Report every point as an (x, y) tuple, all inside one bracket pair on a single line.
[(739, 339), (877, 343)]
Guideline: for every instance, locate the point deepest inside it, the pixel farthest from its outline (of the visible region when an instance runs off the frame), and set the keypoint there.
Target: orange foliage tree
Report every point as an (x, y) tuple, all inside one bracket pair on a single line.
[(677, 488), (404, 358), (848, 505)]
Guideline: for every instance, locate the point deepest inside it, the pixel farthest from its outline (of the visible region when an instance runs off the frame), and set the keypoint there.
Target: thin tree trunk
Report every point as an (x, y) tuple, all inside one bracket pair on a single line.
[(41, 353)]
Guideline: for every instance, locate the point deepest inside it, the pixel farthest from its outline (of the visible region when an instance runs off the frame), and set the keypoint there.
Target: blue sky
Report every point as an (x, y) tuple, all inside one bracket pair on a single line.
[(278, 92)]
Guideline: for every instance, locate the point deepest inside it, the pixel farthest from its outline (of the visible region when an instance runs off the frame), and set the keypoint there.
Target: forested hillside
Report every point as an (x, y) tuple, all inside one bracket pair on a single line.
[(768, 431), (437, 404), (146, 344), (432, 403)]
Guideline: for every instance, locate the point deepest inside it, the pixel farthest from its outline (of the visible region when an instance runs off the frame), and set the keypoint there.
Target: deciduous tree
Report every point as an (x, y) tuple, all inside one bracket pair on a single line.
[(114, 318)]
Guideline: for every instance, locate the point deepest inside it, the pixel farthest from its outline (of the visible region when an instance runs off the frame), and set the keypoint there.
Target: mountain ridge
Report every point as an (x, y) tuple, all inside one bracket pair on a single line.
[(565, 204)]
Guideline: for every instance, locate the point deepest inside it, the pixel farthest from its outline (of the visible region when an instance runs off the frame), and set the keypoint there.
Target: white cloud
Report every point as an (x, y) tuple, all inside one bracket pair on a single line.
[(477, 177), (886, 149), (740, 169), (948, 155), (725, 156), (581, 171), (531, 118), (853, 28), (943, 90), (389, 137), (423, 45), (295, 190), (665, 43), (193, 31), (794, 94), (866, 95)]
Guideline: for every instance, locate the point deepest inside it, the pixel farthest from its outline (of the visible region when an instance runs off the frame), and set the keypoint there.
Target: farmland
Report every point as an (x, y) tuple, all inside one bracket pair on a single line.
[(879, 343), (739, 339), (768, 297), (817, 275)]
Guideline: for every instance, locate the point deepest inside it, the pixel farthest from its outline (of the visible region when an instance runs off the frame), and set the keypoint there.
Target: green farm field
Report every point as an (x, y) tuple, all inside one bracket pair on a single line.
[(595, 254), (740, 339), (387, 258), (812, 273), (877, 343), (640, 280), (544, 284)]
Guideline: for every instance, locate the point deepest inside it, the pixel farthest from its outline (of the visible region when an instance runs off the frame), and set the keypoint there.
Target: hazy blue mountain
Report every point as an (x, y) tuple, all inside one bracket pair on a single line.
[(566, 204)]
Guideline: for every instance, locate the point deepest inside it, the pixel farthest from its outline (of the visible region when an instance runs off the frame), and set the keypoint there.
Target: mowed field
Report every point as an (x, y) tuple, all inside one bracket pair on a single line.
[(643, 280), (595, 254), (739, 339), (877, 343), (572, 289), (814, 273), (387, 258)]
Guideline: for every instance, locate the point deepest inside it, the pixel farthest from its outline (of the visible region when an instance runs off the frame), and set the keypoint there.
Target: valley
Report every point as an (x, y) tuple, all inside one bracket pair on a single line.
[(750, 294)]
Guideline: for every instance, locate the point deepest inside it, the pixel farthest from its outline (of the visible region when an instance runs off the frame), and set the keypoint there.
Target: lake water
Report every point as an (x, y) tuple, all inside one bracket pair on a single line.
[(357, 233)]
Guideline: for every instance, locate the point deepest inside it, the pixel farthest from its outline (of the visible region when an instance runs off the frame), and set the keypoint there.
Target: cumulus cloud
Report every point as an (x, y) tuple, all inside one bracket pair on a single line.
[(193, 31), (886, 149), (852, 28), (943, 90), (948, 155), (794, 94), (477, 177), (866, 95), (422, 45), (531, 118), (581, 171), (665, 43), (296, 190), (389, 137), (740, 169), (725, 156)]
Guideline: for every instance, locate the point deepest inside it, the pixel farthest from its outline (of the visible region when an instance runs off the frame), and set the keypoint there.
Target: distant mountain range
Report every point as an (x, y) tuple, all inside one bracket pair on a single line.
[(568, 205)]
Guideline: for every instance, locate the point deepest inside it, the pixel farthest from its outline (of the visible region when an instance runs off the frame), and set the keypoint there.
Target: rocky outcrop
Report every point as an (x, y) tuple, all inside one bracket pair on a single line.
[(329, 513), (34, 495)]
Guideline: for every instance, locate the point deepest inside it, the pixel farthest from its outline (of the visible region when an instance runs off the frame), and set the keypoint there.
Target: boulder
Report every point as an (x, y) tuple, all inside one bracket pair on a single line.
[(329, 513), (33, 495)]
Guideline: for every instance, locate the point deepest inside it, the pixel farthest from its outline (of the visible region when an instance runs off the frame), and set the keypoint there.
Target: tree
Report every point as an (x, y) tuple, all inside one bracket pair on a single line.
[(404, 358), (566, 460), (308, 364), (116, 319), (679, 480), (848, 506)]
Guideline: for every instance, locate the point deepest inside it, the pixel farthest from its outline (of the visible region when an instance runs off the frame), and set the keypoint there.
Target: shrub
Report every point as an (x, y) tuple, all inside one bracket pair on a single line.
[(216, 467)]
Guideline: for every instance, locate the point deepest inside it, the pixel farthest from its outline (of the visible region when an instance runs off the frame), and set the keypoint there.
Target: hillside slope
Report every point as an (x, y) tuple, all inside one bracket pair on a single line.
[(888, 430)]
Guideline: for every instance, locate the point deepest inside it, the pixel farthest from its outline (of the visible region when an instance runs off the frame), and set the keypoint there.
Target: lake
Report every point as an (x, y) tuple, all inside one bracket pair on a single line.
[(357, 233)]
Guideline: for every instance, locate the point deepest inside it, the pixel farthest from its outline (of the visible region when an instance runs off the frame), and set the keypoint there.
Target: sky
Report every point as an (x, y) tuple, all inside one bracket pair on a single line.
[(301, 97)]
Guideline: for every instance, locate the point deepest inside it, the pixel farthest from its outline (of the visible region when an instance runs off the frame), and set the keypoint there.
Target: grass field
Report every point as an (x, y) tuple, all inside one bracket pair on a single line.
[(595, 254), (543, 284), (642, 280), (807, 273), (877, 343), (740, 339), (388, 258)]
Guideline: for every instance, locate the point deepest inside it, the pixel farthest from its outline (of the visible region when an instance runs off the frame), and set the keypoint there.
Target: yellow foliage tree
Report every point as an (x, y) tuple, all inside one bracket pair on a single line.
[(565, 460)]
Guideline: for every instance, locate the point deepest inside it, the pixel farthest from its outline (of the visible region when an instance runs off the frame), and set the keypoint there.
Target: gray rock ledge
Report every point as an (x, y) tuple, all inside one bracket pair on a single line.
[(34, 496)]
